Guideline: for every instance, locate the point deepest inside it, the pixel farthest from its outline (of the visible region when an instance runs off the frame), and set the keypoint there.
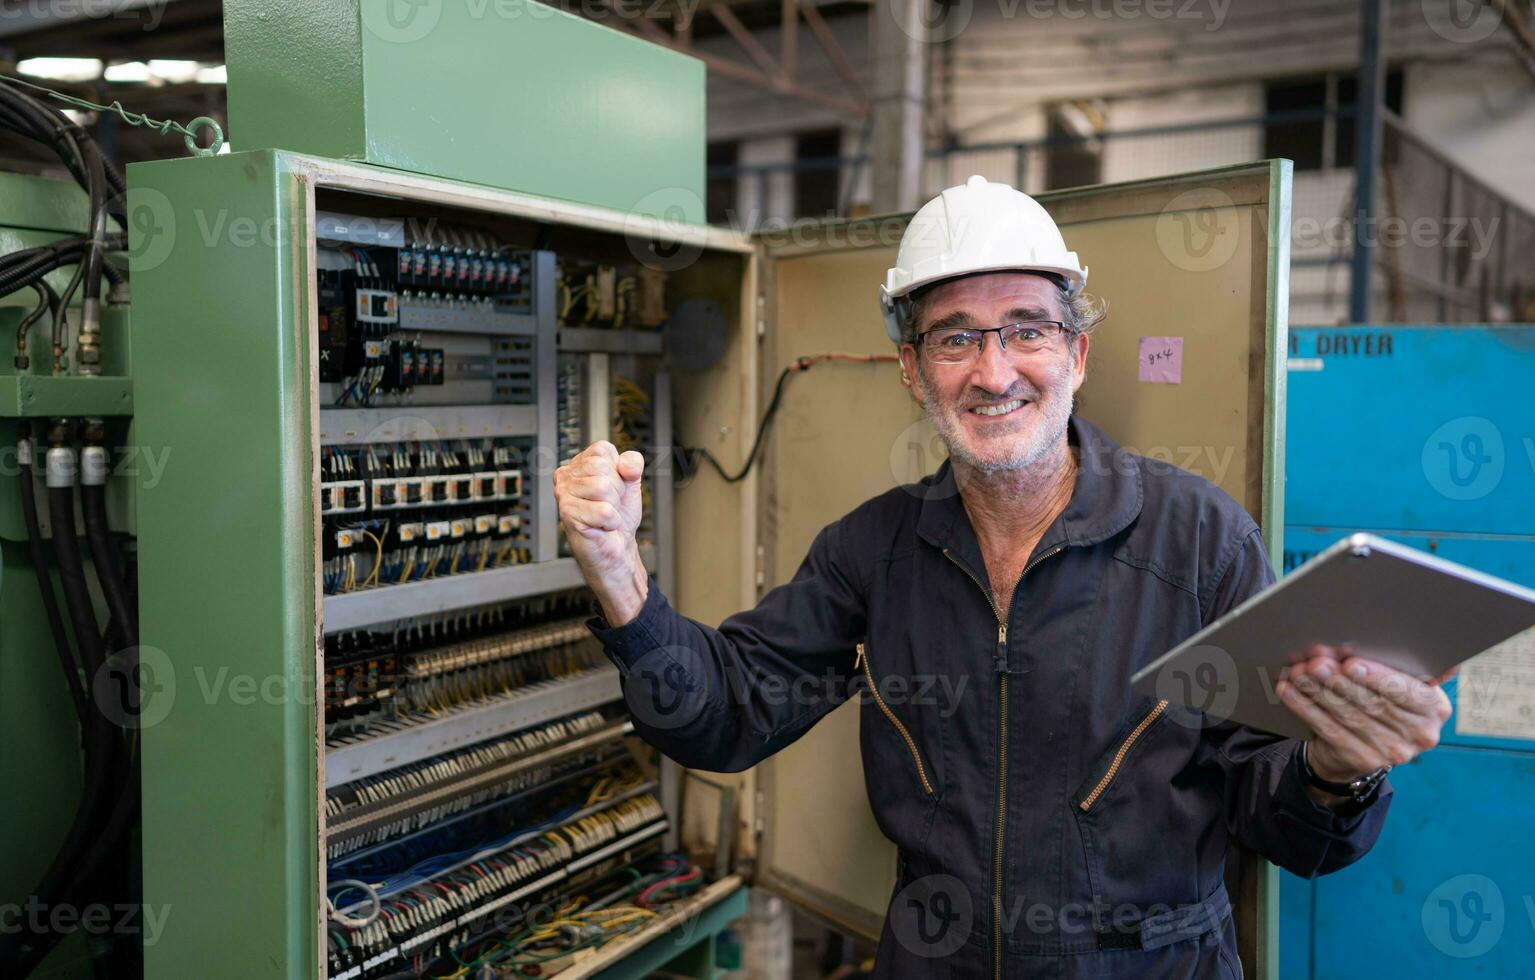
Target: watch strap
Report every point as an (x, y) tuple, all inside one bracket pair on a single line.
[(1358, 789)]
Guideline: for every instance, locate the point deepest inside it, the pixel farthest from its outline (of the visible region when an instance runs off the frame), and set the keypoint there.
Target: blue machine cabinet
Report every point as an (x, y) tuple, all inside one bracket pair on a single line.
[(1425, 435)]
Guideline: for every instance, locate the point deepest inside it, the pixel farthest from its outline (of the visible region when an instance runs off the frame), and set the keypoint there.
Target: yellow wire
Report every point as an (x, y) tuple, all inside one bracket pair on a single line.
[(378, 562)]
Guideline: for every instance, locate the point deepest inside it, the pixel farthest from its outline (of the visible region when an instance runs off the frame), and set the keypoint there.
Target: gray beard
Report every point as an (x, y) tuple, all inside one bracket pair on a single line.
[(1021, 455)]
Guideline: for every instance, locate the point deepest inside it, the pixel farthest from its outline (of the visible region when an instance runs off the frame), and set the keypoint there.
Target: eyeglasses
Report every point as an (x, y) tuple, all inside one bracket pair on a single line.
[(960, 345)]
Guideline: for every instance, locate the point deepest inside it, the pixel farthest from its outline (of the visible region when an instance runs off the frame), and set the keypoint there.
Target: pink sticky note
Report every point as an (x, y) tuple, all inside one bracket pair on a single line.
[(1162, 360)]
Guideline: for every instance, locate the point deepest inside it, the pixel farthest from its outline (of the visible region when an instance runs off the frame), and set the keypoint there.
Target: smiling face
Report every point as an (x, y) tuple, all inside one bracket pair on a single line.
[(997, 411)]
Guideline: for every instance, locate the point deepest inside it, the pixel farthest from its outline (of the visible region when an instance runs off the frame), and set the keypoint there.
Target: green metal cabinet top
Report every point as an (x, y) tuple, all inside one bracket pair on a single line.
[(508, 93)]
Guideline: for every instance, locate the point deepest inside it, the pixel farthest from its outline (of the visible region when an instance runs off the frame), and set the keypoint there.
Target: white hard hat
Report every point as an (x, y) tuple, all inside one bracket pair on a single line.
[(978, 226)]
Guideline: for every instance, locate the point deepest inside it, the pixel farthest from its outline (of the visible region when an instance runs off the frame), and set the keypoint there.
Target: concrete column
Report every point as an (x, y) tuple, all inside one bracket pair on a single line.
[(897, 54)]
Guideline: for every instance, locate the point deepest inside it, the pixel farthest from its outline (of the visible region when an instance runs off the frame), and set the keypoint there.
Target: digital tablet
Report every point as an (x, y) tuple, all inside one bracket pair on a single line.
[(1402, 607)]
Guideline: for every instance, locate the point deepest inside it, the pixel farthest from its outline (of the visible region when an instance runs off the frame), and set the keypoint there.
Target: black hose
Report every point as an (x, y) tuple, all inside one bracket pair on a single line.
[(66, 547), (43, 306), (100, 735), (114, 275), (20, 269), (45, 583), (124, 811), (93, 504)]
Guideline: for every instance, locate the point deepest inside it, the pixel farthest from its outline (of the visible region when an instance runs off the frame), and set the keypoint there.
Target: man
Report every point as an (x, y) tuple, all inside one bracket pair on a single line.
[(1056, 824)]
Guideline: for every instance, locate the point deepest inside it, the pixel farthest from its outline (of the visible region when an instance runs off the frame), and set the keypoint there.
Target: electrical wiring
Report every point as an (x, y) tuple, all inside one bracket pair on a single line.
[(579, 924), (378, 561), (350, 922), (584, 830), (453, 507), (799, 365), (689, 878)]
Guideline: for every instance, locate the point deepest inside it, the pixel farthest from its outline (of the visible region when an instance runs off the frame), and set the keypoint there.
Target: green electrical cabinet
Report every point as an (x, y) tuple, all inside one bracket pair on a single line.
[(231, 606)]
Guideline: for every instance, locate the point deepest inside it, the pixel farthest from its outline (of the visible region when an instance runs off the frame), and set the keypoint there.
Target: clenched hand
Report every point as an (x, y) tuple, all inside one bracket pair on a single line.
[(598, 496)]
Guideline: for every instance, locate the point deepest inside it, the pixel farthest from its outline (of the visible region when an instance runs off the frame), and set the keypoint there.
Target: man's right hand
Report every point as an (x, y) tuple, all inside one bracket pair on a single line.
[(598, 495)]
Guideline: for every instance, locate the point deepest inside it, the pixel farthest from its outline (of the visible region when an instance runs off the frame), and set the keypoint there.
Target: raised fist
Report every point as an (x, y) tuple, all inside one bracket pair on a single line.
[(598, 496)]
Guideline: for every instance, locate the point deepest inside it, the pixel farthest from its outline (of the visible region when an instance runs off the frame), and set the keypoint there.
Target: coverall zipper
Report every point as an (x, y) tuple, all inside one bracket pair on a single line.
[(996, 857), (1119, 757)]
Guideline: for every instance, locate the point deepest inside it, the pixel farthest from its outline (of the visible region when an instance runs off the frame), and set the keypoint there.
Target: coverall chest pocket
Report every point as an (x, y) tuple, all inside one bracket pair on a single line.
[(902, 743)]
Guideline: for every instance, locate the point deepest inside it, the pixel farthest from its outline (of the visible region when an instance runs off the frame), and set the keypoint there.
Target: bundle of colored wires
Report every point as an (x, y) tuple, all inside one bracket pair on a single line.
[(585, 924)]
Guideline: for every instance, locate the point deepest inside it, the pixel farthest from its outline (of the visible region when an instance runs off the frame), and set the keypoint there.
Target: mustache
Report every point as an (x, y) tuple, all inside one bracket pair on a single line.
[(978, 398)]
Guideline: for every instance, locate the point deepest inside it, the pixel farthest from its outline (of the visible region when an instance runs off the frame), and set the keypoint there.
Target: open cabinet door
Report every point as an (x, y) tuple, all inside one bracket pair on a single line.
[(1197, 264)]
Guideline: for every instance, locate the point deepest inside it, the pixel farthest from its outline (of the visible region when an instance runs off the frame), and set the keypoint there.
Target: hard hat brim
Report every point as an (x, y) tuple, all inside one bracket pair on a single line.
[(1075, 278)]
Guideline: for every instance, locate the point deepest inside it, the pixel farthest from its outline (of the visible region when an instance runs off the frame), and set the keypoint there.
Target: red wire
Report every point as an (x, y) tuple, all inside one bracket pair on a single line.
[(682, 879)]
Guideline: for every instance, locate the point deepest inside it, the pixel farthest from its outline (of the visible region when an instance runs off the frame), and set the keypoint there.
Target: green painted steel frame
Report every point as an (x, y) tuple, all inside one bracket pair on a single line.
[(227, 559), (1263, 884)]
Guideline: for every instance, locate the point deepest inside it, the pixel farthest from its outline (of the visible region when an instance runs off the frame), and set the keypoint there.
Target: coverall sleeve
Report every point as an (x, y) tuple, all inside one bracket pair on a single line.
[(724, 699), (1267, 806)]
